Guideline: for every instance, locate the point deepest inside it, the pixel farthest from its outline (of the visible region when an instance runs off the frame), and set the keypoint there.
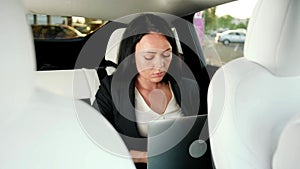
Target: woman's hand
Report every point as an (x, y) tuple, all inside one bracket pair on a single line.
[(138, 156)]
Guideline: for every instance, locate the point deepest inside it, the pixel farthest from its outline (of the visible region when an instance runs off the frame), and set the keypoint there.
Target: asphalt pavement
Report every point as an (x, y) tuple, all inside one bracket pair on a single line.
[(217, 54)]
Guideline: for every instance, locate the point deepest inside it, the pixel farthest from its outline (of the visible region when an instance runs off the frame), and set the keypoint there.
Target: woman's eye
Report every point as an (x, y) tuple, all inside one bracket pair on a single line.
[(167, 54), (148, 57)]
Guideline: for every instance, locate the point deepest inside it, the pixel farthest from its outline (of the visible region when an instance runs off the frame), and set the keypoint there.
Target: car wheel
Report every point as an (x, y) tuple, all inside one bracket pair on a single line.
[(226, 42)]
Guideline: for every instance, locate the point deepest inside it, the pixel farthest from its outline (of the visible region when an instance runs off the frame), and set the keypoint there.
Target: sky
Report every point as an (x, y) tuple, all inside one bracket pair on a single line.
[(239, 9)]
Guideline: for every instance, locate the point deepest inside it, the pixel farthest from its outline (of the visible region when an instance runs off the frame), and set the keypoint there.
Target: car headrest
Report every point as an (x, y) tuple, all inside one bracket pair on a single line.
[(273, 38), (17, 58), (112, 48)]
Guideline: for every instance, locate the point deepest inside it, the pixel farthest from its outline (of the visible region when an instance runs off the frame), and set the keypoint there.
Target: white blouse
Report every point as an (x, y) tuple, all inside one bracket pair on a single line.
[(145, 114)]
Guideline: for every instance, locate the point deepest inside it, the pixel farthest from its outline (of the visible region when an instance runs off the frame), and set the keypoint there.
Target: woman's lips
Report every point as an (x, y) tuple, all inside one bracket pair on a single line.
[(159, 74)]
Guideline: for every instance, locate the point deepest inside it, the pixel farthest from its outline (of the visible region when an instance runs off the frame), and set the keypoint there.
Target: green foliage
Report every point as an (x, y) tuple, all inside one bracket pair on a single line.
[(241, 25), (210, 18), (213, 22), (225, 22)]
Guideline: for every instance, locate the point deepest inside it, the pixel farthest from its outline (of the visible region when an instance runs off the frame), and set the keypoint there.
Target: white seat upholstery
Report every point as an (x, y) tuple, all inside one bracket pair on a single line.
[(112, 49), (40, 129), (288, 148), (77, 84), (251, 99)]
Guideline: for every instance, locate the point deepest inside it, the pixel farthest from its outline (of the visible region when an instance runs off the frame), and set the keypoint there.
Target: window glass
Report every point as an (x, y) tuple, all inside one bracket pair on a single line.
[(62, 27), (222, 31)]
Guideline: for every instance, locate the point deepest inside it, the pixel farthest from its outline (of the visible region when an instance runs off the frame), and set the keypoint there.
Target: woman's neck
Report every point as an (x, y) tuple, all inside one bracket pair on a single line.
[(145, 84)]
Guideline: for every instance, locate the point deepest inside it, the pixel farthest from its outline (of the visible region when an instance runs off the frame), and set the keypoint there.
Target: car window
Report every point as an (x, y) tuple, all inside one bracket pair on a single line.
[(219, 48), (62, 27), (52, 31), (69, 33)]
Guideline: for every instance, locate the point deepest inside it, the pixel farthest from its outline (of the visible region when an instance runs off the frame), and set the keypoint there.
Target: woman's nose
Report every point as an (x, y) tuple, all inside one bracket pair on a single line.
[(159, 62)]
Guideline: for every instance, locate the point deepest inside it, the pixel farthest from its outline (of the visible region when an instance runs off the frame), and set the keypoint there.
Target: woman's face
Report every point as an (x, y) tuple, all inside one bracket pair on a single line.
[(153, 54)]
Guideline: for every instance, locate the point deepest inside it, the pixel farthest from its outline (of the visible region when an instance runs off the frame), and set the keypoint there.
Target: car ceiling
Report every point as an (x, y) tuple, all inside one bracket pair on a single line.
[(113, 9)]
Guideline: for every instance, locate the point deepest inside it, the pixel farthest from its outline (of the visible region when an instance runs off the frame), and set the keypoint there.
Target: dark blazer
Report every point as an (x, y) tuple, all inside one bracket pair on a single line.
[(115, 100)]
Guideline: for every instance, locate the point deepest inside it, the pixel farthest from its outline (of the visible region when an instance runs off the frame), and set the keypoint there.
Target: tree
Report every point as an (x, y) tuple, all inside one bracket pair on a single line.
[(213, 22), (225, 22), (241, 26), (210, 18)]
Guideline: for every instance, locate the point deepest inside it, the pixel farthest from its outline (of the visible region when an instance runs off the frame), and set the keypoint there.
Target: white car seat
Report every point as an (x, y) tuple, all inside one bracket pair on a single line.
[(77, 83), (251, 99), (40, 129), (287, 153), (112, 49)]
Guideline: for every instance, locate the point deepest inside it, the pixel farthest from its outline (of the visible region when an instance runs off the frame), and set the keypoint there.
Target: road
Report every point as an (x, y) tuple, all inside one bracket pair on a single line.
[(217, 54)]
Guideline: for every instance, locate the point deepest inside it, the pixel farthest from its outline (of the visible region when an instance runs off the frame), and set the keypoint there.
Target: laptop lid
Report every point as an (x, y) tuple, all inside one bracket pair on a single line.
[(180, 143)]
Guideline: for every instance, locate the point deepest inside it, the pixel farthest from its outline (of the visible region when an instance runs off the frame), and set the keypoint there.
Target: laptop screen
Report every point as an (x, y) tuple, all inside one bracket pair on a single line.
[(180, 143)]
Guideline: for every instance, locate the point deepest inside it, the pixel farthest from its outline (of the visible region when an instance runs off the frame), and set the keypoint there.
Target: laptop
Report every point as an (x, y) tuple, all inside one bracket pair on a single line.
[(180, 143)]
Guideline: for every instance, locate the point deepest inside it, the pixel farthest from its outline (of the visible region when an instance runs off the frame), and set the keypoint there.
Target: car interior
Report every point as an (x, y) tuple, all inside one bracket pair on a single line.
[(49, 85)]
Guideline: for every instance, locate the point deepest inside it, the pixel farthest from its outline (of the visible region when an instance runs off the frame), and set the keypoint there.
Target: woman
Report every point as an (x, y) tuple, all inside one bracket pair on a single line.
[(147, 85)]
